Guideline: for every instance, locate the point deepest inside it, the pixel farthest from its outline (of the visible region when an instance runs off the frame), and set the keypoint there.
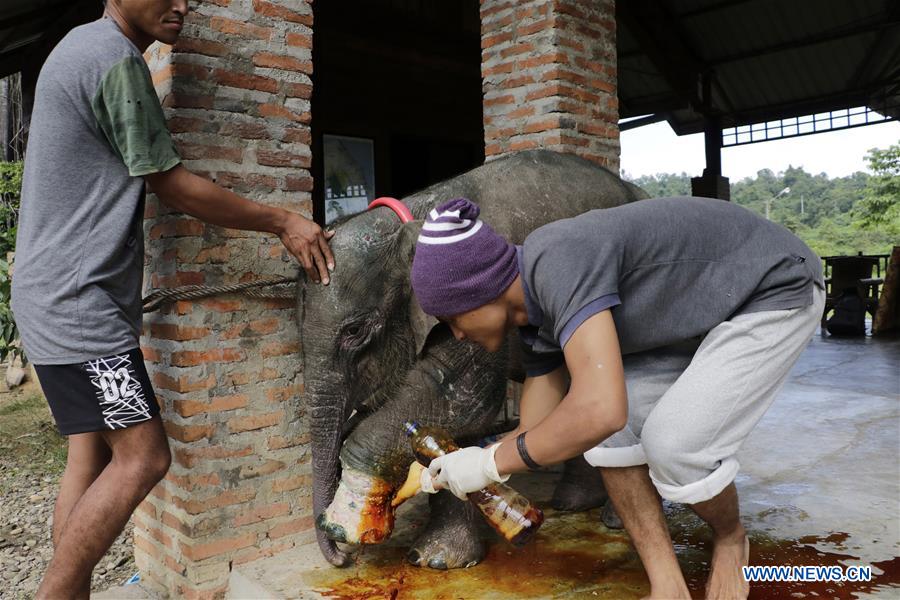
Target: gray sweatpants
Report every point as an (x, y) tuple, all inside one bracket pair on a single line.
[(687, 424)]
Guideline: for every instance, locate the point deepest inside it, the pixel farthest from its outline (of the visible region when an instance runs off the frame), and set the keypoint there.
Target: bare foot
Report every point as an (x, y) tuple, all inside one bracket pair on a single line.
[(726, 579)]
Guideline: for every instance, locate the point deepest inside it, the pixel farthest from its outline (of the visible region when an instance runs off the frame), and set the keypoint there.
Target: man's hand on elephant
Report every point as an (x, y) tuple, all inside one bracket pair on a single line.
[(462, 472), (306, 241)]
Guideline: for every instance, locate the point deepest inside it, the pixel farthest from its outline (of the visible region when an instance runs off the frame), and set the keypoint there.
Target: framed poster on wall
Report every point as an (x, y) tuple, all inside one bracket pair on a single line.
[(349, 175)]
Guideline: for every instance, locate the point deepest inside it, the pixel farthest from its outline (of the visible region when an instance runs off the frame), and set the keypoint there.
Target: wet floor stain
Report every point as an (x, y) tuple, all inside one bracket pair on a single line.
[(575, 556)]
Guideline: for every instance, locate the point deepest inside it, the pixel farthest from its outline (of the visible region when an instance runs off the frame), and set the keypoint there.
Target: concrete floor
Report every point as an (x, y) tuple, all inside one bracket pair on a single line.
[(819, 485)]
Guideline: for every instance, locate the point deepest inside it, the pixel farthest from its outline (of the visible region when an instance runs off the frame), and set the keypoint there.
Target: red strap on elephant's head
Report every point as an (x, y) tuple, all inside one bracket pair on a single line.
[(395, 205)]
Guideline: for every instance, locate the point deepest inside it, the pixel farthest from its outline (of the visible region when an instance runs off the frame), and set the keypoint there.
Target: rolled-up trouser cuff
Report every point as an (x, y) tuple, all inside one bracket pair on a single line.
[(700, 491), (627, 456)]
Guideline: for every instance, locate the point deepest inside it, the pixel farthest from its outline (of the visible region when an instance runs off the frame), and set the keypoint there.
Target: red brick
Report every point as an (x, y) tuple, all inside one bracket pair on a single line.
[(523, 145), (177, 228), (190, 71), (189, 483), (245, 81), (193, 45), (189, 408), (544, 125), (151, 354), (490, 41), (196, 506), (289, 527), (170, 520), (273, 10), (279, 349), (534, 27), (261, 513), (144, 544), (516, 50), (148, 509), (238, 28), (191, 358), (253, 422), (293, 135), (287, 63), (217, 305), (171, 331), (188, 100), (247, 181), (187, 125), (178, 279), (183, 384), (297, 90), (300, 40), (278, 111), (281, 394), (282, 158), (291, 483), (277, 442), (298, 184), (223, 546), (236, 379), (159, 536), (265, 326), (258, 470), (500, 68), (524, 111), (204, 152), (505, 99), (251, 554), (215, 255), (189, 433)]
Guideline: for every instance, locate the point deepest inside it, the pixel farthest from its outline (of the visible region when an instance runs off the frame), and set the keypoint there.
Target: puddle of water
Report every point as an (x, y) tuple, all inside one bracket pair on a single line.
[(574, 554)]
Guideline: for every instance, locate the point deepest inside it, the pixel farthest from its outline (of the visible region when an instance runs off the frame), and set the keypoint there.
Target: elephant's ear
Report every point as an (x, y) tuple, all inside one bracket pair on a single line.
[(421, 323)]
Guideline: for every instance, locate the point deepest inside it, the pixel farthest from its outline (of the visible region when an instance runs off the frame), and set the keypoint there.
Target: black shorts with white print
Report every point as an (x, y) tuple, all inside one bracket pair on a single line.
[(101, 394)]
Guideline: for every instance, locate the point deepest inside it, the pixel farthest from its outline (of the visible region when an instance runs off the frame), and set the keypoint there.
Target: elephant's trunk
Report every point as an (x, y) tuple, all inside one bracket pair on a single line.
[(326, 427)]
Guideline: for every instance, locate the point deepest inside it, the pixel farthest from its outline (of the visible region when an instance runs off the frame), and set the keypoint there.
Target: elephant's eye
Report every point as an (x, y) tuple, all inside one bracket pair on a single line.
[(355, 335)]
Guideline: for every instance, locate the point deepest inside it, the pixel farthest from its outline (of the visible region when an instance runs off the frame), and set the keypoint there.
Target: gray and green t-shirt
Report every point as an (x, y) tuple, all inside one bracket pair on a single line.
[(96, 129), (669, 269)]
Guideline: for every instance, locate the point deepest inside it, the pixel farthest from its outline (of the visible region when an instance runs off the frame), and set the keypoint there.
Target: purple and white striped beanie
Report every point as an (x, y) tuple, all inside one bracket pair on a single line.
[(460, 262)]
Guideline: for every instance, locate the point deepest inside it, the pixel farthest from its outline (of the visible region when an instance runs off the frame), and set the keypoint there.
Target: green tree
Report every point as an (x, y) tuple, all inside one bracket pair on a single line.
[(881, 204), (10, 187)]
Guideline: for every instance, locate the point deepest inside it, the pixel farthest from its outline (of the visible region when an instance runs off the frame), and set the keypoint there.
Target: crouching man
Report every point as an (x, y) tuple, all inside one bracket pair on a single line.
[(97, 136), (584, 291)]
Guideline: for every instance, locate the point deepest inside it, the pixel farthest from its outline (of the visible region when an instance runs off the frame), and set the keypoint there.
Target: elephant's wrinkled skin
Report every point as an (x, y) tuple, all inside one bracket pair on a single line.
[(368, 348)]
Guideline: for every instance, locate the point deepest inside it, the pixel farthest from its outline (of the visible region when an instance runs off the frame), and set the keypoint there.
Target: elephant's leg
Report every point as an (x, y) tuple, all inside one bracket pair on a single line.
[(610, 517), (452, 538), (580, 488)]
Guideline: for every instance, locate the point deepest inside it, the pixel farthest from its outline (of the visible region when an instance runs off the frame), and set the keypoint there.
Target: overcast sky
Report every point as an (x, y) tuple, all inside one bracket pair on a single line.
[(656, 149)]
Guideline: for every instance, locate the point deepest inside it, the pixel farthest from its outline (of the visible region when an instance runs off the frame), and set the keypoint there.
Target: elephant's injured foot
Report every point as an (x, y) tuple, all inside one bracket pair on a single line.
[(452, 538), (580, 488)]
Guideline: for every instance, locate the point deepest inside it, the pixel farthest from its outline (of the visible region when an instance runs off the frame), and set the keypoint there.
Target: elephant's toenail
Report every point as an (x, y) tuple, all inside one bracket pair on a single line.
[(413, 557), (437, 563)]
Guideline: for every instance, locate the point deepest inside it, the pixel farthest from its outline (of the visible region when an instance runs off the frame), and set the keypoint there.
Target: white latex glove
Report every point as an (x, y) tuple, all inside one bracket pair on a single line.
[(462, 472)]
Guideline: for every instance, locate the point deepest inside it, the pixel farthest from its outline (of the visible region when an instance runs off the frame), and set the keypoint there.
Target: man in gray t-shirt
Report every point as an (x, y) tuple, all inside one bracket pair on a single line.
[(585, 291), (98, 137)]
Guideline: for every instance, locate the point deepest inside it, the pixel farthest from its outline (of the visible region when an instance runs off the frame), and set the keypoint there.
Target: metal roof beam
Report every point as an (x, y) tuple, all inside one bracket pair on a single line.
[(879, 23), (882, 45), (651, 25)]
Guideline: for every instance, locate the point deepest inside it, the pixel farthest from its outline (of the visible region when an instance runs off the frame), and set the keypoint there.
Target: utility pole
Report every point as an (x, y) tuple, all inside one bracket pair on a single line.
[(786, 190)]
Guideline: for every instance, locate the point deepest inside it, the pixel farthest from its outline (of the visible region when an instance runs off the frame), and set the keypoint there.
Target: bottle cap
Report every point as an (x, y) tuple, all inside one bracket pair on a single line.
[(411, 427)]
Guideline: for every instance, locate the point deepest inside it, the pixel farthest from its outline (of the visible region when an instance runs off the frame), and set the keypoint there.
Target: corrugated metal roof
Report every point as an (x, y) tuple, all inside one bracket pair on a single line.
[(765, 59)]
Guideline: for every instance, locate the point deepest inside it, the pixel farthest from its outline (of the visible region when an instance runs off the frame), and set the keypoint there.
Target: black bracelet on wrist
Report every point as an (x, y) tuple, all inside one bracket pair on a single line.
[(523, 453)]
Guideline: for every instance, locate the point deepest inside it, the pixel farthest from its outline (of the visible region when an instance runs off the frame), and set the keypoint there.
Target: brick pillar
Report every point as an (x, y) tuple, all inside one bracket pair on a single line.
[(236, 90), (549, 69)]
